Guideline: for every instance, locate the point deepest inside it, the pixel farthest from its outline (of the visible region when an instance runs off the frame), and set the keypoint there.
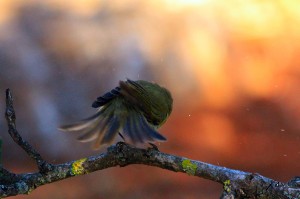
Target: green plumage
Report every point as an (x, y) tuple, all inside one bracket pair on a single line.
[(135, 109)]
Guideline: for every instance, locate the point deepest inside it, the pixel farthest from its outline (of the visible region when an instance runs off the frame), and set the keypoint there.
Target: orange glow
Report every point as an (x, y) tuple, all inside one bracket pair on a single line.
[(232, 67), (217, 133)]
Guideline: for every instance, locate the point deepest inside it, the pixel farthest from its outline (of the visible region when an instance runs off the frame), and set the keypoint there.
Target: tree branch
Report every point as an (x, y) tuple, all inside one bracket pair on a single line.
[(11, 122), (236, 184)]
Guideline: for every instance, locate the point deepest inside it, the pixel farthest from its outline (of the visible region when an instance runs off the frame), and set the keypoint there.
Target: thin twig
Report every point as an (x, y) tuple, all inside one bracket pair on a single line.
[(11, 121)]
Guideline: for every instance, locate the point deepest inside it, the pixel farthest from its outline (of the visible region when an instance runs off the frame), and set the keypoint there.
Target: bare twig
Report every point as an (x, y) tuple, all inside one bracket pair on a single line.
[(236, 184), (11, 121)]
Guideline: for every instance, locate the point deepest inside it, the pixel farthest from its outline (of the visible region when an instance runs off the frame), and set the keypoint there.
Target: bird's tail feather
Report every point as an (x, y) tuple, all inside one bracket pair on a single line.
[(139, 130)]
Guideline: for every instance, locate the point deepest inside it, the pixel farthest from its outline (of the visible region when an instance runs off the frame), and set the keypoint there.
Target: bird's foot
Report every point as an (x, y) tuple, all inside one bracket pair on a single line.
[(122, 137), (154, 147)]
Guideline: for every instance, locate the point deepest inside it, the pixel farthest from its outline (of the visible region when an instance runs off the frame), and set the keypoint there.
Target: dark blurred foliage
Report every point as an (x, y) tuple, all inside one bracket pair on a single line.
[(232, 67)]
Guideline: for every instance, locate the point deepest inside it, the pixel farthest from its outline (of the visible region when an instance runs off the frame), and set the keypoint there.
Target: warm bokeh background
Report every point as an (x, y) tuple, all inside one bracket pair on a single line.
[(233, 68)]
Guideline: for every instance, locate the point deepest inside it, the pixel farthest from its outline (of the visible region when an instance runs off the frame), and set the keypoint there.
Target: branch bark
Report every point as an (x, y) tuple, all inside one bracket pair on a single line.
[(236, 184)]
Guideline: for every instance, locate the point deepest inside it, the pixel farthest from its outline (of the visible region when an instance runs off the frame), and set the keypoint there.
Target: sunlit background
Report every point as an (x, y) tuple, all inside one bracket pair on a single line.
[(233, 68)]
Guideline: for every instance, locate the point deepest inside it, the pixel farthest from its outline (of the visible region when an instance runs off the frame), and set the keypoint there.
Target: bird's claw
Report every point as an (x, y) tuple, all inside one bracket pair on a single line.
[(153, 146)]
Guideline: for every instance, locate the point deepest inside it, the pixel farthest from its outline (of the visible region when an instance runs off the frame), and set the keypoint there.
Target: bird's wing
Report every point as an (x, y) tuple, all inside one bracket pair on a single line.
[(136, 95), (107, 97), (101, 127)]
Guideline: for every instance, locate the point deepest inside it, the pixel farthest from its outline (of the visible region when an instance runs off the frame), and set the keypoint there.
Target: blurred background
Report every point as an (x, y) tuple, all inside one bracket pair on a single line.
[(232, 67)]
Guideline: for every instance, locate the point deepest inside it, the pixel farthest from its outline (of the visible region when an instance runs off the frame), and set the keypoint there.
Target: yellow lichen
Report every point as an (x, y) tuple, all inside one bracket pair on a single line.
[(189, 167), (227, 186), (77, 167)]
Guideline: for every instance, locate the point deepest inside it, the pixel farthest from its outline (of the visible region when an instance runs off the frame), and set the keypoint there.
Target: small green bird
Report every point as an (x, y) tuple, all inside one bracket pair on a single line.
[(135, 109)]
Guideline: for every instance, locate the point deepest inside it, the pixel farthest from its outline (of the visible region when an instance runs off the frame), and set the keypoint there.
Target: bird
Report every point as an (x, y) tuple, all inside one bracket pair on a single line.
[(134, 109)]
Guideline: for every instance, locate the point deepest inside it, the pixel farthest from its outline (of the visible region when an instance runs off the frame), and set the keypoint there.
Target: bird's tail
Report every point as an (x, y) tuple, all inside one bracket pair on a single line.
[(137, 128)]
